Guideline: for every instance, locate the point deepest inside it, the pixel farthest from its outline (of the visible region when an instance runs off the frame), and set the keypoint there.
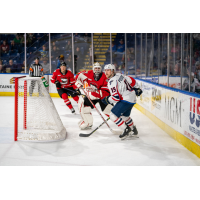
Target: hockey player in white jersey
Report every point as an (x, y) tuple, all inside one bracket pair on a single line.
[(123, 95)]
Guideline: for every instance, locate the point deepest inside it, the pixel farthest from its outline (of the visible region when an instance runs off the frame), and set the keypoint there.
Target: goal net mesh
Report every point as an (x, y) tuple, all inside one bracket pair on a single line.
[(38, 119)]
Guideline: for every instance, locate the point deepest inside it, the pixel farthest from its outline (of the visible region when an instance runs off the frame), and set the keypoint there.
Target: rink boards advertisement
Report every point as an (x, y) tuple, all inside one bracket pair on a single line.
[(7, 86), (179, 111)]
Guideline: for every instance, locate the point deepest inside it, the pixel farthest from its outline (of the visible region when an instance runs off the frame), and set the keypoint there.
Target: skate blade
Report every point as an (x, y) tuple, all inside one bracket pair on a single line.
[(124, 137)]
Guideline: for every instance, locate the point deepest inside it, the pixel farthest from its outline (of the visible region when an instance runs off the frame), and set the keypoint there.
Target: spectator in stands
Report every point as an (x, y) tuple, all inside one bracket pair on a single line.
[(21, 67), (44, 52), (46, 65), (196, 55), (131, 68), (76, 37), (61, 59), (32, 38), (86, 37), (54, 45), (54, 53), (121, 46), (194, 86), (114, 48), (13, 47), (185, 67), (17, 39), (77, 59), (1, 66), (68, 46), (11, 68), (69, 62), (131, 54), (164, 68), (122, 68), (4, 48), (177, 68), (197, 70), (175, 49), (28, 40)]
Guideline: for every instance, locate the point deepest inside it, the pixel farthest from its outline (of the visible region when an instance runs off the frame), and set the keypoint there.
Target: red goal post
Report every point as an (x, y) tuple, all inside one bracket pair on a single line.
[(35, 117)]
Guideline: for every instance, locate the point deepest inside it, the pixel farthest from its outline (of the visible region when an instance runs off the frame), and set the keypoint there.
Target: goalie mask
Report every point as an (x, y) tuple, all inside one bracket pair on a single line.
[(97, 70)]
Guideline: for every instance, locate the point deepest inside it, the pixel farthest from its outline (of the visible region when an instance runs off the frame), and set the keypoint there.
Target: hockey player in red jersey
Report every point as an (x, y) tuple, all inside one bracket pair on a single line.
[(65, 83), (97, 89)]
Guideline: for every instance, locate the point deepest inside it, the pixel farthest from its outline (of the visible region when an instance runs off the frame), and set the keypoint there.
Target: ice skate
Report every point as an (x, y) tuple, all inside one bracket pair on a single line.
[(73, 111), (125, 133), (134, 132), (85, 127)]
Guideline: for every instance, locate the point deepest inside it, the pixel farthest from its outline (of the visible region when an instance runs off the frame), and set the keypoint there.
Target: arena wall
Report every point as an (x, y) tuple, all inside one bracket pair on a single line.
[(176, 112), (7, 85)]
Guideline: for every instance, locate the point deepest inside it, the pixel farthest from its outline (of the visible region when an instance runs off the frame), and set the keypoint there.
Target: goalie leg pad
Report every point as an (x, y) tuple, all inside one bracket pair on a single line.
[(85, 114)]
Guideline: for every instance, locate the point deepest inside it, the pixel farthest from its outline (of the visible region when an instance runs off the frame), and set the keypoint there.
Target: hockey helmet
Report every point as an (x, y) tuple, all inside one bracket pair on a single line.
[(110, 66), (97, 65)]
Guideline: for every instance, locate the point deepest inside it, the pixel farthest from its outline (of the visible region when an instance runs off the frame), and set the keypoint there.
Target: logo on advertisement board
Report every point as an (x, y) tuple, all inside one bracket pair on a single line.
[(173, 110), (194, 115), (12, 80), (156, 98)]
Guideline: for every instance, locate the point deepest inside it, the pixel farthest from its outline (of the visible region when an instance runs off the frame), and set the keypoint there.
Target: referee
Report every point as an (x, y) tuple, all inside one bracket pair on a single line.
[(36, 70)]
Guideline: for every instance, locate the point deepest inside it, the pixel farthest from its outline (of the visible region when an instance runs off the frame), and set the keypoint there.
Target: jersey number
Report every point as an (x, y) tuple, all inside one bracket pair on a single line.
[(113, 89)]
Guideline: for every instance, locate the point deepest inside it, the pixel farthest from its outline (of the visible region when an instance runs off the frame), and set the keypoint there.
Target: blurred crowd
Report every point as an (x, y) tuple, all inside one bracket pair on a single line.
[(146, 56)]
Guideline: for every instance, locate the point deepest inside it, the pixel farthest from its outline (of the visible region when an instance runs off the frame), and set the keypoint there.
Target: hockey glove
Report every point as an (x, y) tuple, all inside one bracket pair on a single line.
[(78, 91), (105, 100), (58, 85), (138, 91)]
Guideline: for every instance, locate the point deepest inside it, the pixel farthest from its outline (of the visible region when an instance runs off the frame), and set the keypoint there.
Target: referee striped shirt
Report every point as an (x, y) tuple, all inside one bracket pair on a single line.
[(36, 70)]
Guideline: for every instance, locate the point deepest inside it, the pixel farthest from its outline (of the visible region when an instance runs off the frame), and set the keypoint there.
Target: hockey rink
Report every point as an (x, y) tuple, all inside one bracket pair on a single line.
[(154, 147)]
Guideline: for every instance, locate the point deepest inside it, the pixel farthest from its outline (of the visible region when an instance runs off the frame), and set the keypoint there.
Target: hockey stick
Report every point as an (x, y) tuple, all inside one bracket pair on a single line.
[(87, 135), (74, 92), (98, 111)]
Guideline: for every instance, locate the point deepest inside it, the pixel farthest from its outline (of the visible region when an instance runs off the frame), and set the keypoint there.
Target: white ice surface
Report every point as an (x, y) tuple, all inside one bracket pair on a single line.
[(153, 147)]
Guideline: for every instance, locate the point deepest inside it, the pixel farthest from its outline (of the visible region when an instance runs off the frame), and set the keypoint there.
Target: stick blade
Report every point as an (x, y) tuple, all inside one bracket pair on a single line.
[(84, 135)]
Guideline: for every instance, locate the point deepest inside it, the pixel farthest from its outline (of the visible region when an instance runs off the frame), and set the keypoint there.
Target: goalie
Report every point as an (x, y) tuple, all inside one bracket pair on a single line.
[(97, 89)]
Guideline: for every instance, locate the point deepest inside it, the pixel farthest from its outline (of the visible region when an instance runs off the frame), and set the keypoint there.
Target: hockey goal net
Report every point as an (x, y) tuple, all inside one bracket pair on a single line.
[(36, 118)]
